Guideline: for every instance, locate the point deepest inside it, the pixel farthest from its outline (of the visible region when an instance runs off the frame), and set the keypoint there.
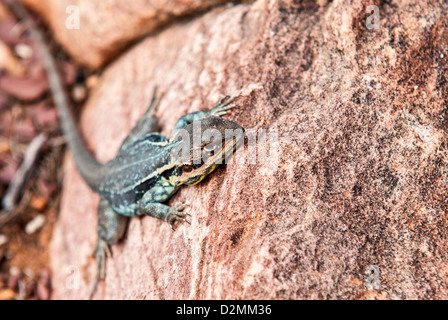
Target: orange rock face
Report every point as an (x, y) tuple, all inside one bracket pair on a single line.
[(355, 205), (94, 32)]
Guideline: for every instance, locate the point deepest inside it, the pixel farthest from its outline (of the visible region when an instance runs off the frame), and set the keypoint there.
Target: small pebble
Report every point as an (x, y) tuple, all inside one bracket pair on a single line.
[(79, 93), (14, 271), (13, 280), (4, 146), (92, 81), (321, 3), (3, 239), (38, 203), (23, 51), (35, 224)]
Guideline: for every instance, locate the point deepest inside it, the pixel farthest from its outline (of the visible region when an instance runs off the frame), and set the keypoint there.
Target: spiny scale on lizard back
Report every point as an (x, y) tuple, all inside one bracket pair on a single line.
[(133, 167)]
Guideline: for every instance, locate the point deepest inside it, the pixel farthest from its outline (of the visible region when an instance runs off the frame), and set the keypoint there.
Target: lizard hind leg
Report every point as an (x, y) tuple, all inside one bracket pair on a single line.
[(111, 227), (102, 251)]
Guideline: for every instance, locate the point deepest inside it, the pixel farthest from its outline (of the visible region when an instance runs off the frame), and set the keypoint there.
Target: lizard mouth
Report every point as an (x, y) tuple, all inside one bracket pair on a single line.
[(224, 157)]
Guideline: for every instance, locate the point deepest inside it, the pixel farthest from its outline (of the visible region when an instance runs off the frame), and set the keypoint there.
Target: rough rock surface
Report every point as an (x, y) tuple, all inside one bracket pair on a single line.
[(93, 32), (361, 176)]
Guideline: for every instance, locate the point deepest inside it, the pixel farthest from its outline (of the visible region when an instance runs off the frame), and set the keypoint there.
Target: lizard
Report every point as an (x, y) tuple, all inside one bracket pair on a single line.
[(147, 171), (148, 168)]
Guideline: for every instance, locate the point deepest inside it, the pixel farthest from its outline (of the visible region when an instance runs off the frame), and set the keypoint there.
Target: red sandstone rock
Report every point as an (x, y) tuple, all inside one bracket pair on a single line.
[(93, 32), (361, 177)]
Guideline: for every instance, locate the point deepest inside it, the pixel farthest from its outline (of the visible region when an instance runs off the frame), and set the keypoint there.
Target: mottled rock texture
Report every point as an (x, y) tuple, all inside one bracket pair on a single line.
[(94, 32), (361, 177)]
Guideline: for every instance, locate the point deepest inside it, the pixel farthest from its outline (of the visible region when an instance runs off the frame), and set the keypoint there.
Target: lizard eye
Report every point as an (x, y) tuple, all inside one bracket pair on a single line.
[(187, 168)]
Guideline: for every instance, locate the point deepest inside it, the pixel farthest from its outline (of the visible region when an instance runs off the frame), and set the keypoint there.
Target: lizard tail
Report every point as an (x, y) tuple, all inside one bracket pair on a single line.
[(90, 169)]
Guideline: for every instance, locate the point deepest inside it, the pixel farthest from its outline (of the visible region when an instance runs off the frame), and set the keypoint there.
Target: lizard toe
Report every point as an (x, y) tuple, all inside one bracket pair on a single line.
[(176, 214)]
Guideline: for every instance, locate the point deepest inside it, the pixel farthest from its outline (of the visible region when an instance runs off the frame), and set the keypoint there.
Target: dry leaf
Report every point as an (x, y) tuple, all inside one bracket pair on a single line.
[(44, 116), (46, 189), (24, 129), (28, 88), (8, 172)]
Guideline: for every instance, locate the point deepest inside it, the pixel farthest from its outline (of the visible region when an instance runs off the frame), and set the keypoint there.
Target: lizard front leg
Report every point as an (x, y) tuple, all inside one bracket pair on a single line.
[(164, 212), (110, 229), (146, 124), (151, 205), (219, 110)]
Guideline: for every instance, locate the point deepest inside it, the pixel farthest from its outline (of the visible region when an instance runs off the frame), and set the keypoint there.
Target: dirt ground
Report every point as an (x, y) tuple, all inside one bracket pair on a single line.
[(26, 111)]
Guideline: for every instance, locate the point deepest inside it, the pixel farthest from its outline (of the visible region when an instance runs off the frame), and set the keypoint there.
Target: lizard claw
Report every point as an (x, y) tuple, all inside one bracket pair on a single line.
[(223, 105), (176, 214)]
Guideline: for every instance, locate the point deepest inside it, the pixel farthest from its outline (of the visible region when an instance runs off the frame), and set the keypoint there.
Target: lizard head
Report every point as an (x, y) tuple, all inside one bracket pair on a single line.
[(202, 146)]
